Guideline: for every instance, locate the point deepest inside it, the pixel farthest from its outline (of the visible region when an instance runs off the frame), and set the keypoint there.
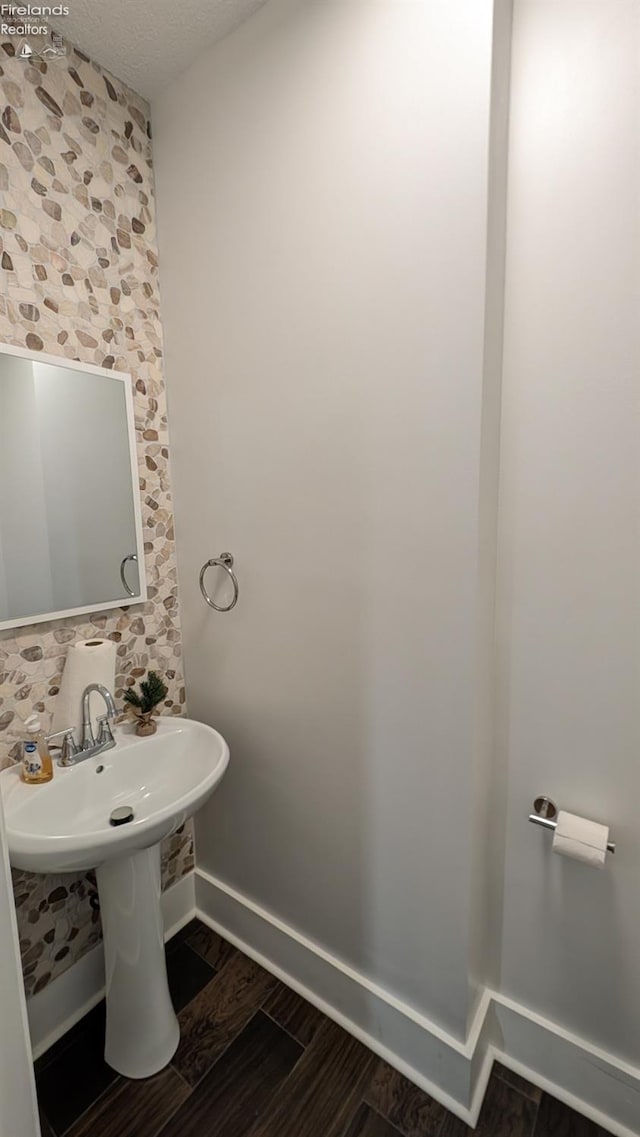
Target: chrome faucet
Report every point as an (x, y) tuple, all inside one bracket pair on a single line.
[(89, 745), (104, 733)]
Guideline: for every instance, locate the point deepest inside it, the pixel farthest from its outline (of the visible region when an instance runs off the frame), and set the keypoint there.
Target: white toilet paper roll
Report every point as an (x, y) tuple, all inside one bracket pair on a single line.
[(89, 661), (581, 839)]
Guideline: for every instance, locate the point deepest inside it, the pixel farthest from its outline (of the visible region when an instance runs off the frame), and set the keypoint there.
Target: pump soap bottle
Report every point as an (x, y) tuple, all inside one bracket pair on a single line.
[(37, 766)]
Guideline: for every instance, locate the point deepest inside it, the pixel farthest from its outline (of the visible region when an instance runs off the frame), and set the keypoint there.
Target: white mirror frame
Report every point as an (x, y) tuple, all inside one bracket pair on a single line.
[(125, 378)]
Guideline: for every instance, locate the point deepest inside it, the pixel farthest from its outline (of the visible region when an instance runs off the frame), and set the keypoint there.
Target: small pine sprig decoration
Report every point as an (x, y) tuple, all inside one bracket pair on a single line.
[(142, 706), (152, 691)]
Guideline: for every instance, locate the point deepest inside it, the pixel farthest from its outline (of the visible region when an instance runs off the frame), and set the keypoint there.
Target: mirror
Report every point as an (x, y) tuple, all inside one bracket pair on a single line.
[(70, 524)]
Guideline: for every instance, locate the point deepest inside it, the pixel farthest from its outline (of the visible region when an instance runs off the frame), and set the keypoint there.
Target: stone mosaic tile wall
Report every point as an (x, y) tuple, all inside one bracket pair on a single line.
[(79, 279)]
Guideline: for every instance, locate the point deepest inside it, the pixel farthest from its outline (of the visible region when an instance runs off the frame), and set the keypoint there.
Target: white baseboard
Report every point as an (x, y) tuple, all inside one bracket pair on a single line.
[(62, 1003), (455, 1073), (597, 1084), (439, 1063)]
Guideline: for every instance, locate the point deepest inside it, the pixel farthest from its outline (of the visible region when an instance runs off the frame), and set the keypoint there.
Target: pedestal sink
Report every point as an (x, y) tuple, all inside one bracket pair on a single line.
[(64, 826)]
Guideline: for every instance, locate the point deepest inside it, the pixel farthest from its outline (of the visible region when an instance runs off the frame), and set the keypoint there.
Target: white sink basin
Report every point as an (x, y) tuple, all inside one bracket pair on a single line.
[(63, 826)]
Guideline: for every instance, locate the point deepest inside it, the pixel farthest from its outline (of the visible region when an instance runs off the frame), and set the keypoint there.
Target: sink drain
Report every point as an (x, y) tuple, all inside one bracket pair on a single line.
[(121, 815)]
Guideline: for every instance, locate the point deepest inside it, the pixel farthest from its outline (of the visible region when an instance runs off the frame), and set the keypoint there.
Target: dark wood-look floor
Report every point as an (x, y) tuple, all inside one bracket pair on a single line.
[(256, 1060)]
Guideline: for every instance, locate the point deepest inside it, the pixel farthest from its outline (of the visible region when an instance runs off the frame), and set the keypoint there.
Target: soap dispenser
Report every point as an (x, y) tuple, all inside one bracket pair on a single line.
[(37, 766)]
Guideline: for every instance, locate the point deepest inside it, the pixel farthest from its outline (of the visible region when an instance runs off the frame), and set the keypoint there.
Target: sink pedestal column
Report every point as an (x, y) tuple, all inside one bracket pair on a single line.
[(142, 1029)]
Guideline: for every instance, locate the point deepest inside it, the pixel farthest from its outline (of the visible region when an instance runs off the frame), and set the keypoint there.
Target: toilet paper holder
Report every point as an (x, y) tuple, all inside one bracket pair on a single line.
[(545, 813)]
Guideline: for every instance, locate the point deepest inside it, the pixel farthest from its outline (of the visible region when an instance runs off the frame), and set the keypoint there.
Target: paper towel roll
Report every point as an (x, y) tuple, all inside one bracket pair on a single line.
[(581, 839), (89, 661)]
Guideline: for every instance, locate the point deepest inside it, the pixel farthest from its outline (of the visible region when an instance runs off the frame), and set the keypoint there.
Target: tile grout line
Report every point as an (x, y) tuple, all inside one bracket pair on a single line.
[(116, 1085), (285, 1029), (260, 1006), (202, 956), (181, 1077), (215, 968), (170, 1117), (525, 1096), (256, 1124), (511, 1086), (534, 1127), (220, 1055), (194, 949), (377, 1113), (258, 1010)]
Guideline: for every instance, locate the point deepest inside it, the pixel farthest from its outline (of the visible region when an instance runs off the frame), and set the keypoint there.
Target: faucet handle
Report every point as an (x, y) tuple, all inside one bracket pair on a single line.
[(58, 734), (105, 734), (69, 746)]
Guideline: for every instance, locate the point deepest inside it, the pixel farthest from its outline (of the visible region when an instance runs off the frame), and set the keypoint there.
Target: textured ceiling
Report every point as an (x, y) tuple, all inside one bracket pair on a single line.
[(148, 42)]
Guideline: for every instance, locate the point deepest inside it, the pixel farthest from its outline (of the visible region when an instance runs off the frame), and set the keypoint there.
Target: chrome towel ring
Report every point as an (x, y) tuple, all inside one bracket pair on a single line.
[(225, 561), (129, 557)]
